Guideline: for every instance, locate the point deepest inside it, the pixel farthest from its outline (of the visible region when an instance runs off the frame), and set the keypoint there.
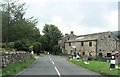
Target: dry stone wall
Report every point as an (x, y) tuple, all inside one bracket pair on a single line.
[(14, 57)]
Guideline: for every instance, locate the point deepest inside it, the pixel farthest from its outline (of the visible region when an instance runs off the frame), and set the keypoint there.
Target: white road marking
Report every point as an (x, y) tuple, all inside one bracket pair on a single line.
[(57, 72), (53, 62), (55, 67)]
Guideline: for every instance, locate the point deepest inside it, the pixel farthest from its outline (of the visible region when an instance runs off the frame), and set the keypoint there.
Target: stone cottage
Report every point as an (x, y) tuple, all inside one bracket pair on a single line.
[(67, 37), (94, 45)]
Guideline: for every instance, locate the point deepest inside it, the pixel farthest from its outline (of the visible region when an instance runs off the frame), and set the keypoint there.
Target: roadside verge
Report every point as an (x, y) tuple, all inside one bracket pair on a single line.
[(99, 67)]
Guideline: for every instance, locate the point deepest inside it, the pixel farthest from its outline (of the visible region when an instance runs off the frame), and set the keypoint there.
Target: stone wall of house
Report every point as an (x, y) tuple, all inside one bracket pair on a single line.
[(102, 44), (106, 44), (67, 37), (85, 50), (14, 57)]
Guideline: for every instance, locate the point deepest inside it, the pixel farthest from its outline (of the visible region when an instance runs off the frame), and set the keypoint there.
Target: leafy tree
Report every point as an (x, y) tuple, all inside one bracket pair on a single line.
[(56, 49), (52, 35), (37, 47), (11, 12), (14, 26)]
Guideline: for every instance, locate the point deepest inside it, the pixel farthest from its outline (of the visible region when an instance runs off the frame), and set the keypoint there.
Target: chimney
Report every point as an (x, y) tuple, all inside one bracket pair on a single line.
[(71, 32), (66, 35)]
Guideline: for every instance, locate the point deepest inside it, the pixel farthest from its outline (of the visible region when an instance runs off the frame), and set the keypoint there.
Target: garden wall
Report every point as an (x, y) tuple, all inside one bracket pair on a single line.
[(14, 57)]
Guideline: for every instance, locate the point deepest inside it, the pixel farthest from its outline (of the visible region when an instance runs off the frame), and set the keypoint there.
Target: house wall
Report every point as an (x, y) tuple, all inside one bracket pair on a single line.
[(86, 48), (106, 44), (66, 38)]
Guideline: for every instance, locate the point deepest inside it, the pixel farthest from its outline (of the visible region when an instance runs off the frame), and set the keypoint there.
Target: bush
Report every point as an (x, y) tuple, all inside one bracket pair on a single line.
[(21, 45), (37, 47), (18, 45), (31, 48), (11, 44), (3, 45)]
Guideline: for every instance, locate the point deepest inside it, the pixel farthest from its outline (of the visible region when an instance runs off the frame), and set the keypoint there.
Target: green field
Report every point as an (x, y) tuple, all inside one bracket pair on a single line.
[(99, 67)]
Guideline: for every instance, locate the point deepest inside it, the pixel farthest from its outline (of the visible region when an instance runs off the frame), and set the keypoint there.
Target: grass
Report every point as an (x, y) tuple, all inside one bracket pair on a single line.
[(36, 55), (40, 54), (99, 67), (44, 54), (0, 72), (98, 59), (16, 67)]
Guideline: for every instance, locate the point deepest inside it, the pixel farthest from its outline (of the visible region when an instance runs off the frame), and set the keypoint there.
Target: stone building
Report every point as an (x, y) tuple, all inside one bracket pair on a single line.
[(67, 37), (94, 45)]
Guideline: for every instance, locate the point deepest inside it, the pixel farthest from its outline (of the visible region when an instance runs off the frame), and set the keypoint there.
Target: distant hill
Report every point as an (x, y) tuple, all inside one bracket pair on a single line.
[(116, 33)]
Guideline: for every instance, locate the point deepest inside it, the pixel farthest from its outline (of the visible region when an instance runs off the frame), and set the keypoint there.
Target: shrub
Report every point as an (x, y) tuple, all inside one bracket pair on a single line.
[(31, 48), (3, 45), (11, 44), (21, 45), (18, 45), (37, 47)]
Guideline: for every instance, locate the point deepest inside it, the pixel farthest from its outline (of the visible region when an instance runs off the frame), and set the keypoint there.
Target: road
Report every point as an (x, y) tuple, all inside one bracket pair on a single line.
[(51, 65)]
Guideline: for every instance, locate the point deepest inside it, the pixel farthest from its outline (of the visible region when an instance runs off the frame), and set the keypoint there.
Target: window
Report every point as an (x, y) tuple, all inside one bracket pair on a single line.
[(109, 36), (108, 54), (82, 43), (69, 44), (75, 49), (90, 44), (68, 38), (71, 51), (100, 54), (83, 53)]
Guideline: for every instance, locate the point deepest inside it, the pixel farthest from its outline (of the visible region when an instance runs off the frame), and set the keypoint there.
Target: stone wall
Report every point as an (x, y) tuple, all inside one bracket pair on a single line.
[(14, 57)]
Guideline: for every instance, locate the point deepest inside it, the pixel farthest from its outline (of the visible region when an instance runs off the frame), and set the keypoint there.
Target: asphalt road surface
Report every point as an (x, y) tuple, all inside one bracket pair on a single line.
[(50, 65)]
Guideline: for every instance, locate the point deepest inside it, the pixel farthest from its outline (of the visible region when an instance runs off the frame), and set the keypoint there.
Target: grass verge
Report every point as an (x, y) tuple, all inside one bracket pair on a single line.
[(16, 67), (99, 67), (44, 54)]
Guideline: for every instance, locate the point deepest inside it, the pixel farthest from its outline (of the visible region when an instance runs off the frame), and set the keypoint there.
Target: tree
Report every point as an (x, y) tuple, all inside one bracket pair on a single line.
[(15, 26), (11, 12), (52, 35), (37, 47), (56, 49)]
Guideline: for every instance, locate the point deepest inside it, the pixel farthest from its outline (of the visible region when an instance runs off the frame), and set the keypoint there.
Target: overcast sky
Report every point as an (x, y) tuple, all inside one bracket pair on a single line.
[(80, 16)]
